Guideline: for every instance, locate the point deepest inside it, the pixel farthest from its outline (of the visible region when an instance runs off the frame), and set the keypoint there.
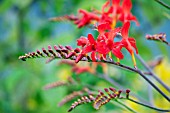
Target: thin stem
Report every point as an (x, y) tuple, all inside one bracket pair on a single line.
[(147, 73), (154, 86), (150, 95), (154, 108), (111, 81), (142, 75), (128, 108), (152, 73), (163, 4)]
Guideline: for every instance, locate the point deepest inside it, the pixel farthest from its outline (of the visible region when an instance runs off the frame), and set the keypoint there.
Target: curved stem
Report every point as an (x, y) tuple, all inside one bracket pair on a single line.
[(154, 108), (153, 85), (152, 73), (114, 83), (142, 75), (163, 4), (130, 109)]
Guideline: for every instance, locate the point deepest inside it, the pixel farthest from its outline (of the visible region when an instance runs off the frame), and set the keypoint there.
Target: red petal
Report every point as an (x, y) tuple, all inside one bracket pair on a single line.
[(133, 44), (87, 49), (105, 5), (82, 41), (93, 56), (77, 21), (121, 17), (80, 70), (104, 55), (79, 57), (102, 48), (115, 2), (105, 18), (103, 27), (125, 30), (131, 39), (124, 42), (127, 5), (83, 11), (91, 39), (127, 45), (119, 10), (101, 38), (84, 20), (117, 44), (117, 53), (112, 34), (133, 18), (109, 11)]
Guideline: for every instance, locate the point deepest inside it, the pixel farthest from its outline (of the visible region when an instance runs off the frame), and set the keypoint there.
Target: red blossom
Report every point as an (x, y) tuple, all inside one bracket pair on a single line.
[(90, 47), (105, 18), (126, 14), (113, 5), (128, 43), (111, 13), (86, 18), (106, 41), (82, 41), (79, 70), (110, 16), (102, 27)]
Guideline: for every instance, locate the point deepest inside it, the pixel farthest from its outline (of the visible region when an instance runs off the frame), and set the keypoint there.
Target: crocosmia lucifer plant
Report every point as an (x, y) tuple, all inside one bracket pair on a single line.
[(112, 21)]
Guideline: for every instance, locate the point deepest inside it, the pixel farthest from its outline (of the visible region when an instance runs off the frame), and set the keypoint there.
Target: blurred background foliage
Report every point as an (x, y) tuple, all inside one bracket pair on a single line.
[(24, 27)]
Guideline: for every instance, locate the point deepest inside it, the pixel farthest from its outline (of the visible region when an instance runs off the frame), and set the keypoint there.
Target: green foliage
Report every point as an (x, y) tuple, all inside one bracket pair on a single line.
[(21, 83)]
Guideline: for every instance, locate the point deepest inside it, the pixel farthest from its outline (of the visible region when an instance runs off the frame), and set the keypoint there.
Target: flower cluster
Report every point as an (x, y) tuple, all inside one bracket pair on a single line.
[(106, 20), (112, 11), (101, 98), (104, 45)]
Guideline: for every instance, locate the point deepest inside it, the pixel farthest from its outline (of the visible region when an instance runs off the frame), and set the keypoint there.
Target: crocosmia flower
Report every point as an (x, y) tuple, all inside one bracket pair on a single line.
[(127, 42), (82, 41), (90, 47), (86, 18), (126, 14)]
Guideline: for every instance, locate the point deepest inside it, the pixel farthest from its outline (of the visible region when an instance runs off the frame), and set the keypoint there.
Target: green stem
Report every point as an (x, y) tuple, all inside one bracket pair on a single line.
[(152, 73), (163, 4), (154, 108), (142, 75), (130, 109), (114, 83)]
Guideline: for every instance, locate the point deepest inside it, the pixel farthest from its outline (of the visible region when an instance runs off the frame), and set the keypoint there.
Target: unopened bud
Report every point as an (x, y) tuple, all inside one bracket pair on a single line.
[(127, 93)]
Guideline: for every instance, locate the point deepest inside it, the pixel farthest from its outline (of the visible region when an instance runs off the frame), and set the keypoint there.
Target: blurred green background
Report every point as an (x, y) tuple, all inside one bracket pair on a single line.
[(24, 27)]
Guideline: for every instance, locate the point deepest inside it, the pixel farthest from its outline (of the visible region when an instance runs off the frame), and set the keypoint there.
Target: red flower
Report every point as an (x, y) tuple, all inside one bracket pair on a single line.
[(113, 6), (128, 43), (82, 41), (79, 70), (102, 27), (89, 47), (111, 12), (106, 42), (86, 18), (105, 18), (126, 14), (110, 16)]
